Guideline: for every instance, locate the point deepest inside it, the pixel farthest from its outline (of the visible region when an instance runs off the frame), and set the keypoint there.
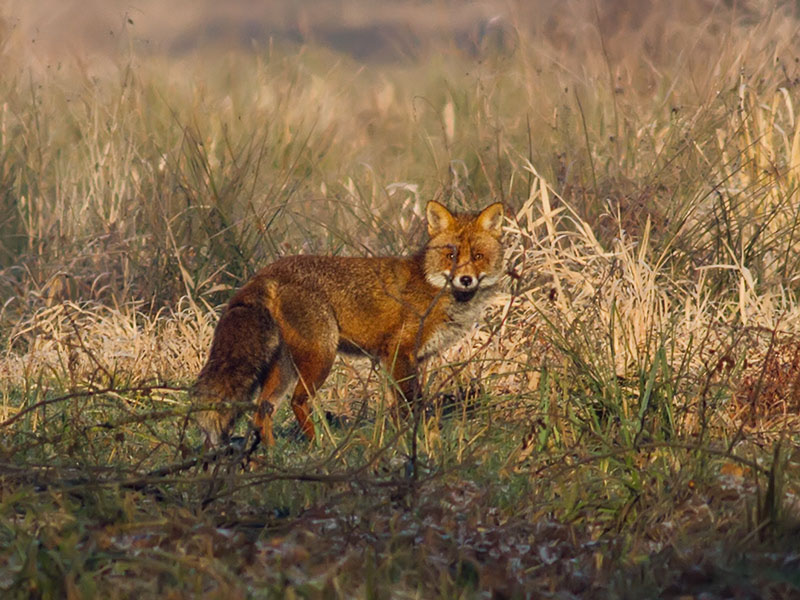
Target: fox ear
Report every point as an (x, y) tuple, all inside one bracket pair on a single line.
[(439, 218), (491, 218)]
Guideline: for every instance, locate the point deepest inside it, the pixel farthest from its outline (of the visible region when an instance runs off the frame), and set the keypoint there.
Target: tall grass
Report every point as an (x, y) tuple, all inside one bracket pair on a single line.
[(622, 424)]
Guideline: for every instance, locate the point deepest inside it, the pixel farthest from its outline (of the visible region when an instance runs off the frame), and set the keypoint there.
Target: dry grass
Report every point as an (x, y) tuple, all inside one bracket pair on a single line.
[(623, 424)]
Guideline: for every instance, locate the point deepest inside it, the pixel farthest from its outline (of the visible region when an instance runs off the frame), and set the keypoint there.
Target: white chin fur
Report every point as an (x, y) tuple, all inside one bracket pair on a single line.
[(490, 279), (438, 280)]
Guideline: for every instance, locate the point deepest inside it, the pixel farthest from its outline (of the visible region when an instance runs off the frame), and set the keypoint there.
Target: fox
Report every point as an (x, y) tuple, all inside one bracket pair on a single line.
[(280, 333)]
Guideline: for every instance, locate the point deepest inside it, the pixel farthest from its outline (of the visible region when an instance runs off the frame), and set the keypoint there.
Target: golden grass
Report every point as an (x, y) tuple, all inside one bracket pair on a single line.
[(630, 400)]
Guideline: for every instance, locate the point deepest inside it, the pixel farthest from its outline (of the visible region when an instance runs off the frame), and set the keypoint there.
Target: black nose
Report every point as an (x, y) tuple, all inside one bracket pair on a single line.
[(465, 280)]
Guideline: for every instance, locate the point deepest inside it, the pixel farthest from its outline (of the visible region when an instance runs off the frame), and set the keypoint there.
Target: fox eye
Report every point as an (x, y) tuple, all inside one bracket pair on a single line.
[(477, 256), (451, 255)]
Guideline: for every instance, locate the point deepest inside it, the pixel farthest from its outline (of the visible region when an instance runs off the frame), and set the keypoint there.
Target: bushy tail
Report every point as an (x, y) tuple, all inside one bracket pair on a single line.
[(246, 343)]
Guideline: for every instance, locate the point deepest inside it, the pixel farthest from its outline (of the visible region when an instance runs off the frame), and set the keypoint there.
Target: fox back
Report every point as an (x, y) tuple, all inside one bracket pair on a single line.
[(284, 327)]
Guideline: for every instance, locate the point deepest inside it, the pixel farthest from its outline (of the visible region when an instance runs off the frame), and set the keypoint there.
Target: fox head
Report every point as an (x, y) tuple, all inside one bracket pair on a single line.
[(464, 250)]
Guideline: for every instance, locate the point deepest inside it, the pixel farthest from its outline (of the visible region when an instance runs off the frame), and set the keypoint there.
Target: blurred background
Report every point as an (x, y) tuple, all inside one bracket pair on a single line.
[(372, 31)]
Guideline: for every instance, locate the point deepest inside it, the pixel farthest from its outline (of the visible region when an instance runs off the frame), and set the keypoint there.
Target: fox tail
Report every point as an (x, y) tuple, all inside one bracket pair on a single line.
[(246, 345)]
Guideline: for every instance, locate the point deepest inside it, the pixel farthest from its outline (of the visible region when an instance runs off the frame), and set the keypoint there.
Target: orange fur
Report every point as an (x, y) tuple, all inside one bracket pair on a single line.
[(286, 324)]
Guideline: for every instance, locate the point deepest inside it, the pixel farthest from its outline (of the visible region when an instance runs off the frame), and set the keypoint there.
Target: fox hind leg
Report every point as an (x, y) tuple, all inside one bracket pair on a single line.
[(309, 373), (281, 377), (312, 370), (404, 370), (311, 333)]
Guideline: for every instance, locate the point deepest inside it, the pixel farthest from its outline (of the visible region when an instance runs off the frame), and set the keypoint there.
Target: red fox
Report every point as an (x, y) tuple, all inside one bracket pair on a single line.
[(284, 327)]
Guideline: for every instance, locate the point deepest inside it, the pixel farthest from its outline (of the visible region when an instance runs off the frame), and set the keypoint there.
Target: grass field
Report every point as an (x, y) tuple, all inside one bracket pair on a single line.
[(624, 424)]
